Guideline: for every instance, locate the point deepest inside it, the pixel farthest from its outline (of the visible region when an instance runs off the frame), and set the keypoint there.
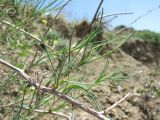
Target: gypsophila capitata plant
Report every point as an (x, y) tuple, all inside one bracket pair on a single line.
[(41, 79)]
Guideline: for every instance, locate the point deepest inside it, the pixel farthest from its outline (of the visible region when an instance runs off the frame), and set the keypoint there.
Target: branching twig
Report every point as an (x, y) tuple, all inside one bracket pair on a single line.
[(115, 104), (55, 92), (64, 97)]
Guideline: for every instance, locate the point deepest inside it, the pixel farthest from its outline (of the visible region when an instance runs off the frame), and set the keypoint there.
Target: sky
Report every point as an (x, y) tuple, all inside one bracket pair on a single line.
[(84, 9)]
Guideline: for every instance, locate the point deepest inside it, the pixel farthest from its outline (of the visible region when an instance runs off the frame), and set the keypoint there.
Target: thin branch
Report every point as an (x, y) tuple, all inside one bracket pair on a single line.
[(53, 21), (37, 110), (25, 32), (96, 13), (55, 92), (53, 113), (11, 104), (139, 18), (116, 104), (115, 14), (22, 30)]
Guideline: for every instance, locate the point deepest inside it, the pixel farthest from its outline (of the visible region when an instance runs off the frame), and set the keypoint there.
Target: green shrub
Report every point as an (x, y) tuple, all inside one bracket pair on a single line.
[(149, 36)]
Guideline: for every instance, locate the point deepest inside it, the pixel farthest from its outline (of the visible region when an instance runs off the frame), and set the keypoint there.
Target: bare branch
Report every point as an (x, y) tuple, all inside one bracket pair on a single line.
[(25, 32), (53, 113), (114, 14), (37, 110), (115, 104), (138, 18), (55, 92)]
